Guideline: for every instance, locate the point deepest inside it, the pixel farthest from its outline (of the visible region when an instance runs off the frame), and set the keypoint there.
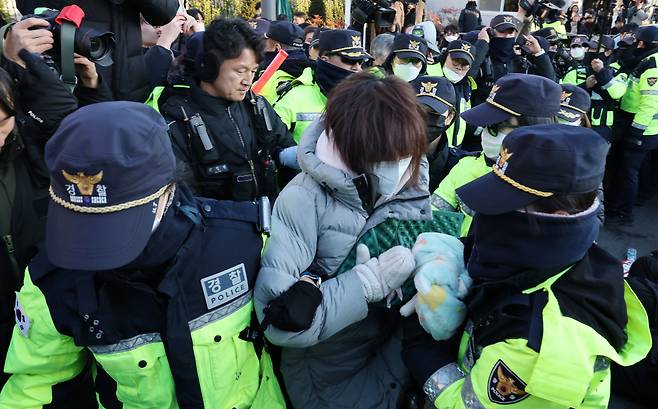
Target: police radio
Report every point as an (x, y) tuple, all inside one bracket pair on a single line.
[(202, 144)]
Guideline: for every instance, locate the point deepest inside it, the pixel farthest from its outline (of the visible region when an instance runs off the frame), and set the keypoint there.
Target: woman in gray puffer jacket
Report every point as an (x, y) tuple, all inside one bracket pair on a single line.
[(363, 165)]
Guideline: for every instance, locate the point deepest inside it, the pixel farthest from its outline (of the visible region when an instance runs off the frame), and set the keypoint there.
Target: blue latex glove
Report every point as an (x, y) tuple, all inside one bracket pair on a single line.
[(442, 283), (288, 158)]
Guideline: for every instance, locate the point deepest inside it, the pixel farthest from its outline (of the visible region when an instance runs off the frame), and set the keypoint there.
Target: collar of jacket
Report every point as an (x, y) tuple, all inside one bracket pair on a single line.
[(210, 104), (340, 184)]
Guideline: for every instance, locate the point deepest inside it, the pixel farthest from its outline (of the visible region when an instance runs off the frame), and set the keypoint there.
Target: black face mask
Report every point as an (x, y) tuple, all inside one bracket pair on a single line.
[(436, 126), (502, 49), (328, 76)]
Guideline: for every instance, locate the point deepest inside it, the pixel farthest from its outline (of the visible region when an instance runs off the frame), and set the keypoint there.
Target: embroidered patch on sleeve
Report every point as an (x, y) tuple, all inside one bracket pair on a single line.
[(504, 386), (652, 81), (225, 286), (22, 321)]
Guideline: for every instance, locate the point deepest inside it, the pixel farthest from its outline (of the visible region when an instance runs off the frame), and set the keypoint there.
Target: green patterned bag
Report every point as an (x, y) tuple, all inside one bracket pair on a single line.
[(395, 232)]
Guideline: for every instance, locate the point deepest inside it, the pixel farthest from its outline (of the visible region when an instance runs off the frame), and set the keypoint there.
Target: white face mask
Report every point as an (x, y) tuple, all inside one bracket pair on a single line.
[(578, 53), (491, 144), (406, 72), (390, 174), (451, 38), (452, 76), (576, 123)]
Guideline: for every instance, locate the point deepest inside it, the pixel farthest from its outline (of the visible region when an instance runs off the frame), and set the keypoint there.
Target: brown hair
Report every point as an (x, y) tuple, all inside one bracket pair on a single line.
[(375, 120)]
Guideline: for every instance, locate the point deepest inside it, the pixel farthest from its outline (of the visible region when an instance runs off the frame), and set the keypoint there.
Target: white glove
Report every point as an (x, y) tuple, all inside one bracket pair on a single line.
[(379, 276)]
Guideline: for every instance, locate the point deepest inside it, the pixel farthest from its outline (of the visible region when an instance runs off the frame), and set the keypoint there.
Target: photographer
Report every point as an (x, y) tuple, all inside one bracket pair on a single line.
[(128, 77), (33, 101)]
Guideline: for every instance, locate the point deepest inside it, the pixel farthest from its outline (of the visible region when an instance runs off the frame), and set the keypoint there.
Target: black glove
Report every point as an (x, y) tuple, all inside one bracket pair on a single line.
[(295, 308), (422, 354), (603, 77), (634, 138)]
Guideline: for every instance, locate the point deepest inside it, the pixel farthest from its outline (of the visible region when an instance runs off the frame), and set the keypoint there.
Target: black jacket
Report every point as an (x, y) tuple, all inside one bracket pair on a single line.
[(241, 164), (127, 77), (491, 69), (470, 18), (42, 102)]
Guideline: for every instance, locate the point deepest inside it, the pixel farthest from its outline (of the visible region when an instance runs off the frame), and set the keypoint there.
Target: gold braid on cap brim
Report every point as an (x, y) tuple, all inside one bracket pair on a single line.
[(499, 106), (437, 98), (520, 186), (106, 209)]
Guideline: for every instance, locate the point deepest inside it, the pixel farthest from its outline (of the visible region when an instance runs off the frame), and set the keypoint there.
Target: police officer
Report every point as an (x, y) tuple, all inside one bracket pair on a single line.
[(304, 99), (516, 100), (283, 35), (138, 278), (408, 59), (550, 310), (228, 142), (603, 70), (575, 103), (577, 74), (454, 64), (636, 123), (500, 55), (437, 96)]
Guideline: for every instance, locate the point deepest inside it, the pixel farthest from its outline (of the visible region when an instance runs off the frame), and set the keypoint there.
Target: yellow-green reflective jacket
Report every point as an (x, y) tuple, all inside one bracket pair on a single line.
[(466, 170), (301, 105), (641, 96), (571, 369), (188, 338)]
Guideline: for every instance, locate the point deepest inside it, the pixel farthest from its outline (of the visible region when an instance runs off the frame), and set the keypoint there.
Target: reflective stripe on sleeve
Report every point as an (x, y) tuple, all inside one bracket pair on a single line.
[(649, 92), (441, 379), (638, 126), (469, 397)]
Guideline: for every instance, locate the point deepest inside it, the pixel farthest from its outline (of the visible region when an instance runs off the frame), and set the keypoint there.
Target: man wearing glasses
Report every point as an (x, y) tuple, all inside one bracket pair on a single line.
[(303, 100)]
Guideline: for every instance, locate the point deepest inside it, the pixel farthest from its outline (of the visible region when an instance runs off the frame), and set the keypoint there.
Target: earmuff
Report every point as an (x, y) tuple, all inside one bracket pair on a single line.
[(208, 67)]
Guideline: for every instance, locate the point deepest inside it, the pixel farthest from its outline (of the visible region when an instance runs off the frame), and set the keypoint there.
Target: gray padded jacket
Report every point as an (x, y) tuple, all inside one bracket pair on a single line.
[(350, 356)]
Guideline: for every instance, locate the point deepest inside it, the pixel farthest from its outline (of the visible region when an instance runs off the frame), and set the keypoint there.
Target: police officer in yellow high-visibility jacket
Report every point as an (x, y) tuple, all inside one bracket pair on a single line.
[(636, 123), (139, 280), (283, 35), (550, 309), (516, 100), (454, 64), (304, 99)]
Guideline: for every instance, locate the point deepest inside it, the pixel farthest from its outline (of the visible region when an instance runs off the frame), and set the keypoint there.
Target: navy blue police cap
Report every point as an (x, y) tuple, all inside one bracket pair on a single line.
[(461, 49), (410, 46), (259, 25), (504, 22), (109, 164), (574, 103), (648, 34), (286, 33), (435, 92), (537, 162), (346, 43), (516, 95)]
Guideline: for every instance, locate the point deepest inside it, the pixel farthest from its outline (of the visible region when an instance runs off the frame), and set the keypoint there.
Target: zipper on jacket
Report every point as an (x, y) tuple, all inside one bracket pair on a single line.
[(11, 251), (246, 152)]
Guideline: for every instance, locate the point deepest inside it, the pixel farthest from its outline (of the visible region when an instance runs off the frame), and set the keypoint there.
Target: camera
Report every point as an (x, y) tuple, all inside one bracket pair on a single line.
[(538, 7), (379, 12), (97, 46)]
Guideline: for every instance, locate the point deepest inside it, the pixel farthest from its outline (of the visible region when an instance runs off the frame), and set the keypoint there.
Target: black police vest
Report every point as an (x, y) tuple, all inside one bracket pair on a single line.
[(222, 156)]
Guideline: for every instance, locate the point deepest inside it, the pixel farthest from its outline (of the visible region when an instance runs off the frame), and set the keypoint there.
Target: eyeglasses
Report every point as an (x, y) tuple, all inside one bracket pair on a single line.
[(347, 61)]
